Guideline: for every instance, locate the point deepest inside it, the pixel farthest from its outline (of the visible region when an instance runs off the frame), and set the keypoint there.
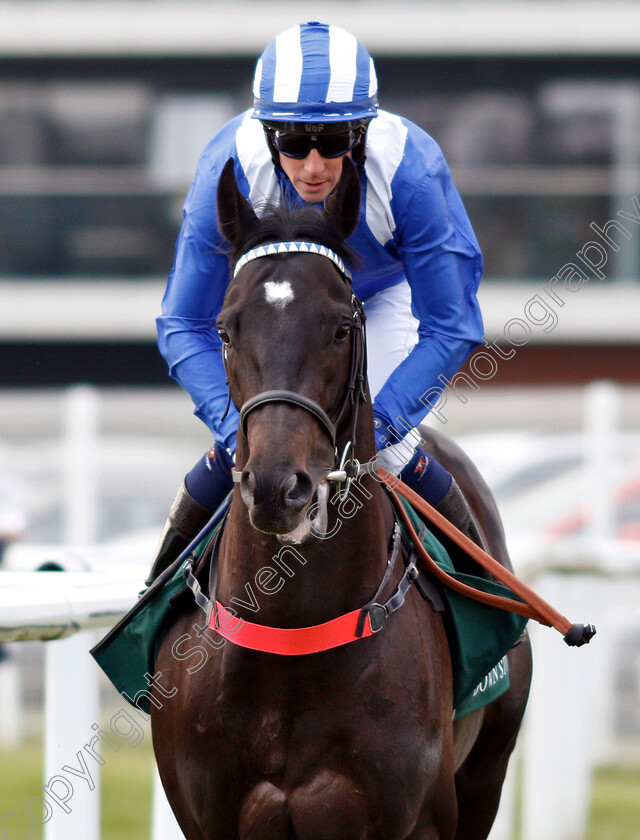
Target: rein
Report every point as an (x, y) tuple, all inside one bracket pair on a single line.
[(369, 619), (531, 605)]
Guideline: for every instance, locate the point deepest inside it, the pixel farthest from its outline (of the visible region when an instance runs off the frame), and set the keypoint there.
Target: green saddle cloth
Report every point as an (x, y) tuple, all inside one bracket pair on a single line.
[(479, 636), (127, 654)]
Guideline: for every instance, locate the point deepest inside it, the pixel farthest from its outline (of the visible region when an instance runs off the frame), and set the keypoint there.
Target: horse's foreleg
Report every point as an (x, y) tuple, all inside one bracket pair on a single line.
[(329, 807), (265, 815)]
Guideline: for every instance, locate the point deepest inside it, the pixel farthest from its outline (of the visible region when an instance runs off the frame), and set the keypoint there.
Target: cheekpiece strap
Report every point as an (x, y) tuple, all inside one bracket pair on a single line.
[(276, 248)]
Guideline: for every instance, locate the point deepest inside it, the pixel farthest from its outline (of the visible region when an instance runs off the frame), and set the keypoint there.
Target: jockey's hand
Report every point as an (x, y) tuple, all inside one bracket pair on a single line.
[(395, 450)]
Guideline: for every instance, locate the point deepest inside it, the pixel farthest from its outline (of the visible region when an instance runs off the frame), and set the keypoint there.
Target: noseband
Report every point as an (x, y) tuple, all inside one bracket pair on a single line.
[(355, 389), (294, 399)]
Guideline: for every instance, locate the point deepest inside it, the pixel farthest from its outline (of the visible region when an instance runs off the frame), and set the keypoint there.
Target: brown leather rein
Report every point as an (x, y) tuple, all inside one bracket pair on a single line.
[(531, 605)]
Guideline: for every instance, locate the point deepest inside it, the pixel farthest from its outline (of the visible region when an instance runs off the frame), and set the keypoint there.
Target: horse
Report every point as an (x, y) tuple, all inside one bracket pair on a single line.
[(358, 741)]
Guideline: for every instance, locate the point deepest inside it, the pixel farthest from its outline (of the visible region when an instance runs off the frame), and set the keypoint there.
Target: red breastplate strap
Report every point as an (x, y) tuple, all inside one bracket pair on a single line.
[(288, 642)]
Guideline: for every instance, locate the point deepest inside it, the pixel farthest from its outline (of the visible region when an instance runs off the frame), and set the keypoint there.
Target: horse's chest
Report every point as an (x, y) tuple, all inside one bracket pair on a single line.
[(269, 740), (284, 742), (253, 729)]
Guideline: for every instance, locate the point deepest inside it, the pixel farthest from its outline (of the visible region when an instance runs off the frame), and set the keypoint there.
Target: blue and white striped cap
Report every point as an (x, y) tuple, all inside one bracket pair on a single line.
[(315, 72)]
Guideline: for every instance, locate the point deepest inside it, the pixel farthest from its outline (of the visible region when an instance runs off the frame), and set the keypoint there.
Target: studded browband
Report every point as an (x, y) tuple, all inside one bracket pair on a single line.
[(292, 248)]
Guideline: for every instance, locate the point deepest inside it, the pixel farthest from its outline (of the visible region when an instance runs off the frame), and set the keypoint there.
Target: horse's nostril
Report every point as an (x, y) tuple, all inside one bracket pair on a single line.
[(298, 490), (248, 487)]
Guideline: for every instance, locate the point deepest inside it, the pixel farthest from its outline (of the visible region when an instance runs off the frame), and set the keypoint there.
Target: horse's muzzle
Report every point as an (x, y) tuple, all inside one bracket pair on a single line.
[(276, 501)]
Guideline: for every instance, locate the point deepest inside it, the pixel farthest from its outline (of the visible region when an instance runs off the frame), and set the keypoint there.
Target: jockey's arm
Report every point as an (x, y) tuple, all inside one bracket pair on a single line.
[(187, 337), (443, 265)]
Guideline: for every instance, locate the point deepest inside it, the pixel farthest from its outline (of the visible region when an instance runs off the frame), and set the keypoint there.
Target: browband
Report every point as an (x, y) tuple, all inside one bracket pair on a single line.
[(292, 248)]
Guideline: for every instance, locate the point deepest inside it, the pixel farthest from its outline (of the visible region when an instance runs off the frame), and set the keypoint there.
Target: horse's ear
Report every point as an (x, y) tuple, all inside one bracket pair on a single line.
[(235, 214), (343, 205)]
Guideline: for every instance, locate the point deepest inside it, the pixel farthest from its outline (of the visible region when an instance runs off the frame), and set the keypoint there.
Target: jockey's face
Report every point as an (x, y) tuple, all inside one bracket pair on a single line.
[(314, 176)]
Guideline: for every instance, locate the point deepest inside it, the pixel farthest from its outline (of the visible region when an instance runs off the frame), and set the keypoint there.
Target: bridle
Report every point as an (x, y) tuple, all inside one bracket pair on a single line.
[(346, 466)]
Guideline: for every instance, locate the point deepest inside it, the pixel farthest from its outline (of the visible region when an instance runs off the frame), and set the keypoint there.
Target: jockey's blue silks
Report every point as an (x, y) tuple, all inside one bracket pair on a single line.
[(412, 225)]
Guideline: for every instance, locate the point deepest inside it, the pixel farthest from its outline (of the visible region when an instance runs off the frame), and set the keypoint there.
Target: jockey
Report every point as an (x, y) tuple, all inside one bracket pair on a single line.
[(315, 101)]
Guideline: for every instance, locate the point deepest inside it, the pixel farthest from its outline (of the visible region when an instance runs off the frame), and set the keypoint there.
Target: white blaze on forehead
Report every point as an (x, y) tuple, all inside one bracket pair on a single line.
[(278, 293)]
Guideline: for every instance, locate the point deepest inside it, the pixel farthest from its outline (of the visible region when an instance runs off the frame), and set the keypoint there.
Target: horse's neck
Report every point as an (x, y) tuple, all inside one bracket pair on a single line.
[(268, 582)]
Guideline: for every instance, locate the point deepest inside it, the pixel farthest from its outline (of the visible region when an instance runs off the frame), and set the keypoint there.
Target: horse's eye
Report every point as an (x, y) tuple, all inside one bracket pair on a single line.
[(224, 336), (342, 332)]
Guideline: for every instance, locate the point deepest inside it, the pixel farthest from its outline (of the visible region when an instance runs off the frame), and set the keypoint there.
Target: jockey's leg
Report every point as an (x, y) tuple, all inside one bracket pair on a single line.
[(429, 479), (204, 489)]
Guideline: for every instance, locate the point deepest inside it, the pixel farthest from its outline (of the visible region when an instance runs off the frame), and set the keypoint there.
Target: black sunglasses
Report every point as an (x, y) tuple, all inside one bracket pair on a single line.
[(328, 145)]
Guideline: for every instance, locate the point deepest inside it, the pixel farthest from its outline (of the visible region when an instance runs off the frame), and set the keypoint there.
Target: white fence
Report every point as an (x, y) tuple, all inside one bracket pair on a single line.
[(66, 609)]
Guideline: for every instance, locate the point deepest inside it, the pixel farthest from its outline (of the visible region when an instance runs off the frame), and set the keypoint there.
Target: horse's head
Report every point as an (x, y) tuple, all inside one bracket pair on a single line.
[(287, 323)]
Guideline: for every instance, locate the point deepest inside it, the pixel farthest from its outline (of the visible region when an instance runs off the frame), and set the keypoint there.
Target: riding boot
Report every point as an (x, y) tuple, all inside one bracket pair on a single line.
[(186, 518), (454, 507)]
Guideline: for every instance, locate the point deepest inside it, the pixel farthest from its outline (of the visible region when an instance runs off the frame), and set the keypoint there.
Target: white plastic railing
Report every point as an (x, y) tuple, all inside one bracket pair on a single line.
[(66, 609), (53, 605)]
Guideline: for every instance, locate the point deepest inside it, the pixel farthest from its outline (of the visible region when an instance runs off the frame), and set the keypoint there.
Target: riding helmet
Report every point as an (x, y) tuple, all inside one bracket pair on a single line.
[(314, 74)]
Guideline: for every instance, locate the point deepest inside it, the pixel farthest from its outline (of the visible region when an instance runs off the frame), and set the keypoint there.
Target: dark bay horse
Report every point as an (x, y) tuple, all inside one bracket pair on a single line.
[(356, 742)]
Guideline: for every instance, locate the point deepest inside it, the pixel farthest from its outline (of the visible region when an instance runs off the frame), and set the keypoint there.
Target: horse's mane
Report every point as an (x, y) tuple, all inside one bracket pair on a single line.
[(281, 223)]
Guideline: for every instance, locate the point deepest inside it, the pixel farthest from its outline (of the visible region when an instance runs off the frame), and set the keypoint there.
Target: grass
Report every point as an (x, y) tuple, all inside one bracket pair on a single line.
[(126, 793), (127, 782), (615, 805), (125, 790)]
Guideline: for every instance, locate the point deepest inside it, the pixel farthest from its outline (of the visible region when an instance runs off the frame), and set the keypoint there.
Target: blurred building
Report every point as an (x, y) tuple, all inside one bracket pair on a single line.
[(104, 108)]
